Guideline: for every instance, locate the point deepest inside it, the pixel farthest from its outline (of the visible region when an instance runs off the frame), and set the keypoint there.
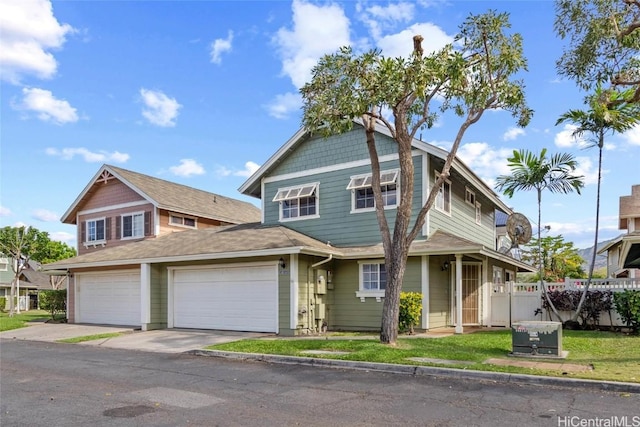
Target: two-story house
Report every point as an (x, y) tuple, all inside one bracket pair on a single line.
[(315, 261), (623, 253)]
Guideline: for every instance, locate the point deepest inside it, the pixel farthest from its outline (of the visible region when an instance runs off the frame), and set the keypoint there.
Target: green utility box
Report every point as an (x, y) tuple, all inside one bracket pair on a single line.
[(537, 338)]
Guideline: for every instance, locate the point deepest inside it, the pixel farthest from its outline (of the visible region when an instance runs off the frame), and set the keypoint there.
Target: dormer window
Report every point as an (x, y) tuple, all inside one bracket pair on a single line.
[(182, 221), (362, 198), (300, 202)]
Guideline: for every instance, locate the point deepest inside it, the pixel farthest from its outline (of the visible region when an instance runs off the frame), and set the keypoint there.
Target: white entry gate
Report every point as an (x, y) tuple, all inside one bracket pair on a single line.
[(515, 302)]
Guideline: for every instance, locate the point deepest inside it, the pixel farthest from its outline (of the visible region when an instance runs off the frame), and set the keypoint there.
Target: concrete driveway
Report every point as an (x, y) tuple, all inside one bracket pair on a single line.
[(160, 341)]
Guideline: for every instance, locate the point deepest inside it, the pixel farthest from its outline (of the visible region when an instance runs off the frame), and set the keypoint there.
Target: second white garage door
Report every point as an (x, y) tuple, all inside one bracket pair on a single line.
[(236, 298), (110, 298)]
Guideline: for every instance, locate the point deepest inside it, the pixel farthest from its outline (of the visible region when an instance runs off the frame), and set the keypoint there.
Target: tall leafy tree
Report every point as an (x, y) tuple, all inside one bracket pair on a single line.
[(23, 244), (540, 172), (474, 74), (558, 257), (606, 115), (604, 41)]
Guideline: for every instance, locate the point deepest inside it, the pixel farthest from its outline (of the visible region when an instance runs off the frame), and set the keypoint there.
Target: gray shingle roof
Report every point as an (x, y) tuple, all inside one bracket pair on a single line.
[(177, 198)]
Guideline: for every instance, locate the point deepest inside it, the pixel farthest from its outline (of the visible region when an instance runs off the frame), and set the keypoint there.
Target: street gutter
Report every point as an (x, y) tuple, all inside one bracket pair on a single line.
[(427, 371)]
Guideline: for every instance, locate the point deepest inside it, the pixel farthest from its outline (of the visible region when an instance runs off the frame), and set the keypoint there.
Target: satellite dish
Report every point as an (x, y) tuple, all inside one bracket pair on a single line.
[(518, 228)]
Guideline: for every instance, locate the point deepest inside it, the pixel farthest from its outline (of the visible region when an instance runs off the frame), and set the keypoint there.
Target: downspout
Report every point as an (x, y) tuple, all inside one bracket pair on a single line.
[(310, 316)]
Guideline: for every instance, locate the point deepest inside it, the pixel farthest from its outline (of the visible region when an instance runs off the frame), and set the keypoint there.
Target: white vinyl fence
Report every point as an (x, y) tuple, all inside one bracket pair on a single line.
[(515, 302)]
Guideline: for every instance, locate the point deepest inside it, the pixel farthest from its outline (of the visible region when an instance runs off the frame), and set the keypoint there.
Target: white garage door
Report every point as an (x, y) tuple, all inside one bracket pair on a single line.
[(108, 298), (237, 298)]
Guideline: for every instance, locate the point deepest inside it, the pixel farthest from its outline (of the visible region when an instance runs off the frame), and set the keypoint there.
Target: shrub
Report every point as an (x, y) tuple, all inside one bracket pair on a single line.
[(628, 307), (54, 301), (410, 310), (595, 303), (3, 303)]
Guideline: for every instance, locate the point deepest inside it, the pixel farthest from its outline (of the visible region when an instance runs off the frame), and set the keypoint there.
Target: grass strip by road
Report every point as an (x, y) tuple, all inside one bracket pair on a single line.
[(20, 320), (614, 357), (84, 338)]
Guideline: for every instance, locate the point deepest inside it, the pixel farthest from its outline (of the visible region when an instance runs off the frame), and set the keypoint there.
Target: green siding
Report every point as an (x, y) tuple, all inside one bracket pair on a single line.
[(158, 297), (439, 294), (462, 221), (336, 223), (317, 152), (347, 312)]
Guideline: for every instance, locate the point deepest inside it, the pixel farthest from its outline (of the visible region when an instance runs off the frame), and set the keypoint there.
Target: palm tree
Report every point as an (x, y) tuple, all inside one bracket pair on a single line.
[(531, 172), (609, 113)]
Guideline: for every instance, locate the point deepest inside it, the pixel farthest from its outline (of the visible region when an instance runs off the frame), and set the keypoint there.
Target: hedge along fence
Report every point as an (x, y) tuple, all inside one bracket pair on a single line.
[(621, 308)]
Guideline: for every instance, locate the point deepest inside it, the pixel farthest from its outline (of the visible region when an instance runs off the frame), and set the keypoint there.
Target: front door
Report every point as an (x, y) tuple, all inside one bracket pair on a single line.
[(471, 294)]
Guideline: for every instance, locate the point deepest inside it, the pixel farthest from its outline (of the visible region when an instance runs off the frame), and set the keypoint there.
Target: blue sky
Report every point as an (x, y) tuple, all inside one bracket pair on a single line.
[(203, 92)]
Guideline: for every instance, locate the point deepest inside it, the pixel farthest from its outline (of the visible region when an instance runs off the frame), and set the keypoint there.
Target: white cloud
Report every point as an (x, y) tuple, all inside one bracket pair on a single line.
[(565, 138), (101, 156), (513, 133), (249, 169), (587, 168), (187, 168), (317, 30), (5, 211), (486, 161), (284, 104), (161, 110), (45, 215), (401, 44), (29, 31), (63, 236), (220, 46), (632, 136), (378, 18), (46, 106)]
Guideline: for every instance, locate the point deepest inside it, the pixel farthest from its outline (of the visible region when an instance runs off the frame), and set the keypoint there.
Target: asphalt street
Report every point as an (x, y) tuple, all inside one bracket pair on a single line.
[(52, 384)]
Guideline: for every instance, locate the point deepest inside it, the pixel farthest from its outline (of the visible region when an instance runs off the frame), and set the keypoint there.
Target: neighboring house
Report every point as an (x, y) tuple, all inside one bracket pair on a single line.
[(31, 281), (119, 206), (623, 253), (315, 260)]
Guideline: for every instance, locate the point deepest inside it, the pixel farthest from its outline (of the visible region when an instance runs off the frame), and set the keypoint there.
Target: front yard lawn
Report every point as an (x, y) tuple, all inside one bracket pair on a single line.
[(615, 357), (20, 320)]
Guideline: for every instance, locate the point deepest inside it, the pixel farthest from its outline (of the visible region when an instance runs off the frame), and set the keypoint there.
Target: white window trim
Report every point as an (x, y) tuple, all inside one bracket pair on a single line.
[(173, 224), (435, 205), (353, 187), (469, 196), (131, 214), (478, 213), (4, 264), (366, 293), (280, 200), (94, 243)]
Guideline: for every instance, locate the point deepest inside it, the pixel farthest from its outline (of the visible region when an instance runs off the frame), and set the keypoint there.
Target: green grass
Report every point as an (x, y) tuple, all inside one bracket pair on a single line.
[(91, 337), (20, 320), (615, 357)]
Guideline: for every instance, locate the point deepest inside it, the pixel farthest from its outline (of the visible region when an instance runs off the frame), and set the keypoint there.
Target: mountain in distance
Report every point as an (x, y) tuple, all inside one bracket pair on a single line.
[(601, 260)]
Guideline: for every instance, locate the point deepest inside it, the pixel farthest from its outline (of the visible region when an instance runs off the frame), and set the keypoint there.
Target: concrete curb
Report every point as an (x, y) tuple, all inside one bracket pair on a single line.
[(427, 371)]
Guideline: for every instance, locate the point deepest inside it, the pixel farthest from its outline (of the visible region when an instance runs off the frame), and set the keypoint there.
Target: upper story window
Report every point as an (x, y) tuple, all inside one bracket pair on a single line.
[(443, 200), (478, 213), (95, 230), (133, 225), (182, 221), (300, 202), (469, 196), (373, 280), (4, 264), (362, 191)]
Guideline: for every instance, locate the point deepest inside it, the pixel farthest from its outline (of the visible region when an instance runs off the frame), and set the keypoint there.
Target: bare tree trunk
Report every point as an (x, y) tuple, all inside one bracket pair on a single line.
[(391, 306), (583, 297), (540, 263), (12, 298)]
